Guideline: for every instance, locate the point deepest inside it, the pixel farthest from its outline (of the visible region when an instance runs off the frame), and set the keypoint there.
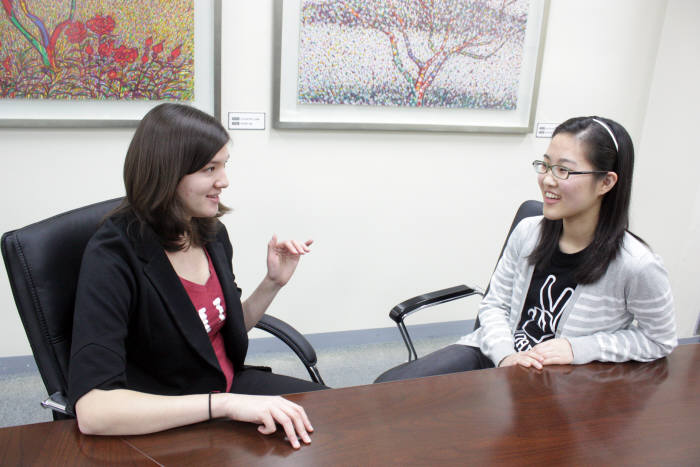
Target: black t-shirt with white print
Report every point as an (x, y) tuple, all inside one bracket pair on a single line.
[(550, 290)]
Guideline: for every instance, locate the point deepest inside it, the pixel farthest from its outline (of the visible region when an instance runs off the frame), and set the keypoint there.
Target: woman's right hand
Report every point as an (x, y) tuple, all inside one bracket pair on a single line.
[(527, 359), (266, 411)]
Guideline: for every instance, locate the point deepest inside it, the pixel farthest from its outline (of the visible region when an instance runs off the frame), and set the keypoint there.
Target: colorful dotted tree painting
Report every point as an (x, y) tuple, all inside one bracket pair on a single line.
[(417, 53)]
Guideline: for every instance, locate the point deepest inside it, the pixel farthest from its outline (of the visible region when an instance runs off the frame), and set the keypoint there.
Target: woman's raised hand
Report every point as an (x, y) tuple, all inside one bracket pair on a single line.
[(283, 257)]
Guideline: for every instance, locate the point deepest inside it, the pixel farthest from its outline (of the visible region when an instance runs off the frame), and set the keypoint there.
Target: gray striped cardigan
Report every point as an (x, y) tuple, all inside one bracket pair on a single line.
[(626, 315)]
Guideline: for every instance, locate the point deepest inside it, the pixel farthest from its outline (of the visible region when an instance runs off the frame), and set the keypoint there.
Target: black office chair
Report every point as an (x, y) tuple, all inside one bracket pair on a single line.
[(43, 263), (402, 310)]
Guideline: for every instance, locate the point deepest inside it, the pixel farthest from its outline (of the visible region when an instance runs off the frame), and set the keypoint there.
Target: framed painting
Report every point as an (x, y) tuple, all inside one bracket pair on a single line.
[(87, 63), (452, 65)]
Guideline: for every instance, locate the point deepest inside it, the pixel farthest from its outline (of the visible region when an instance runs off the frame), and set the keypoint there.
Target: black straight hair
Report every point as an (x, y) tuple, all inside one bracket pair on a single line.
[(172, 140), (613, 220)]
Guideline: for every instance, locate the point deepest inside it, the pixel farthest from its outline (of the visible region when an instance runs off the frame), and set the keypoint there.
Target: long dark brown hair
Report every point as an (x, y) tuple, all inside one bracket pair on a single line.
[(613, 220), (172, 141)]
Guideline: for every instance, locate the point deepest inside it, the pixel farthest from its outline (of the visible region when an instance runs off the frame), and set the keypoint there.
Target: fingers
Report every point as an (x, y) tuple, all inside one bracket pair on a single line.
[(553, 358), (554, 352), (305, 418), (287, 415), (552, 361), (525, 359), (301, 420), (287, 425), (267, 412), (528, 360), (268, 424), (290, 416), (299, 425), (533, 355), (293, 247), (301, 247)]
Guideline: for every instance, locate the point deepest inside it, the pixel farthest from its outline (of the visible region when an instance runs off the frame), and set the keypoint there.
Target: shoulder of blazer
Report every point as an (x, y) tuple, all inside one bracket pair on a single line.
[(222, 238), (144, 240), (140, 237)]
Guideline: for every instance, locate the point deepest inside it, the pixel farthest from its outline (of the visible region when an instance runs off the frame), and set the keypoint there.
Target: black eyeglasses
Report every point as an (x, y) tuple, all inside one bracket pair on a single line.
[(561, 172)]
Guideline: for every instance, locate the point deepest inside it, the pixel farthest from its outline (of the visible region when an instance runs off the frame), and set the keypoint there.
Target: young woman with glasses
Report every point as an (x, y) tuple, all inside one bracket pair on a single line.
[(573, 285), (160, 331)]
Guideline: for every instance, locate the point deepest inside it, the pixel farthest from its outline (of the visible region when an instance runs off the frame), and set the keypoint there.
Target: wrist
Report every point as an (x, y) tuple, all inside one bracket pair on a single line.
[(219, 404), (273, 284)]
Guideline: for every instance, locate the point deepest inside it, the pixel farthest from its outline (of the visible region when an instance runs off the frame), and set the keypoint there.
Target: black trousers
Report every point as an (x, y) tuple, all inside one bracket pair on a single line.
[(451, 359), (264, 383)]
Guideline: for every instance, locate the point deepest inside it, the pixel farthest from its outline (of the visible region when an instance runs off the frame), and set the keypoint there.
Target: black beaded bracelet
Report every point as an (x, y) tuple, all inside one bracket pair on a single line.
[(210, 393)]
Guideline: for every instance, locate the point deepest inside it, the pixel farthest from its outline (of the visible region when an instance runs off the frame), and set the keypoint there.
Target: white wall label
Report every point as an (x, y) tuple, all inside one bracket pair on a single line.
[(246, 120), (545, 130)]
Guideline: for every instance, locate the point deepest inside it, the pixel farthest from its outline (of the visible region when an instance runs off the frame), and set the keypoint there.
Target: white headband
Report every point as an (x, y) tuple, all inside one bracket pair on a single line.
[(609, 131)]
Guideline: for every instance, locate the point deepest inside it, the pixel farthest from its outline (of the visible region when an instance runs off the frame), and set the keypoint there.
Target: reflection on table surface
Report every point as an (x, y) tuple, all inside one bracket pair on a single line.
[(600, 413)]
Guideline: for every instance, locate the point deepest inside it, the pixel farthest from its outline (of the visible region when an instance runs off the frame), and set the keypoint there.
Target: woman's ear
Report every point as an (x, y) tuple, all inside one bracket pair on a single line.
[(607, 183)]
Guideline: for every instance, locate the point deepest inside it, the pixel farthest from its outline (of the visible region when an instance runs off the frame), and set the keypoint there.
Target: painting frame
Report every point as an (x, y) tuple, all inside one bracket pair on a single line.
[(48, 113), (288, 114)]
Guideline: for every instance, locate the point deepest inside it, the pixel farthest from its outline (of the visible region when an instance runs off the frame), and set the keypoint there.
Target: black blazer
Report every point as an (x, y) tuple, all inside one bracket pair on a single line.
[(134, 325)]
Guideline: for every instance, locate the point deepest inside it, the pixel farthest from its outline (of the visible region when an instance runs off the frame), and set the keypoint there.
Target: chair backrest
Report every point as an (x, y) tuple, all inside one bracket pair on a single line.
[(528, 208), (43, 263)]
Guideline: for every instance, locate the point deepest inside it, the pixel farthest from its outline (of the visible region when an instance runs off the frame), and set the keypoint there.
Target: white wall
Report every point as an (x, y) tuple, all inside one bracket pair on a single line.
[(666, 208), (393, 214)]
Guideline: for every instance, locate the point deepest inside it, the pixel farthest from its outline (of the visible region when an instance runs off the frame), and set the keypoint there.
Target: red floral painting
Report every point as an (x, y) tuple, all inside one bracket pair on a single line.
[(89, 49)]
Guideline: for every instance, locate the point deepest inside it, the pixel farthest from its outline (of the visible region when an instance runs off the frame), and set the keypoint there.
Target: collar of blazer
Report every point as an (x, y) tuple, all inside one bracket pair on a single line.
[(164, 279)]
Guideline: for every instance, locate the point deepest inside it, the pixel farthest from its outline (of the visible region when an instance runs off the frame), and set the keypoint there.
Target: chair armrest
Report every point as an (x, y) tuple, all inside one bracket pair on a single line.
[(403, 309), (58, 402), (295, 340)]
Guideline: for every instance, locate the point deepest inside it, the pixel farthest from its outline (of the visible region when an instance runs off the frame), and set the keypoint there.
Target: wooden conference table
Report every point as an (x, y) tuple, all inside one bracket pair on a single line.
[(631, 413)]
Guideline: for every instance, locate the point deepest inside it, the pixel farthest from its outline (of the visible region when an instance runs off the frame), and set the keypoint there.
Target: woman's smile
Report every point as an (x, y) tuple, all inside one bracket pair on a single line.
[(550, 197)]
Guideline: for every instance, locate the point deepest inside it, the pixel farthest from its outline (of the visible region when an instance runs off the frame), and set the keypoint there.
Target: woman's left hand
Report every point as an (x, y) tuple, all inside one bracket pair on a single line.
[(555, 352), (283, 257)]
